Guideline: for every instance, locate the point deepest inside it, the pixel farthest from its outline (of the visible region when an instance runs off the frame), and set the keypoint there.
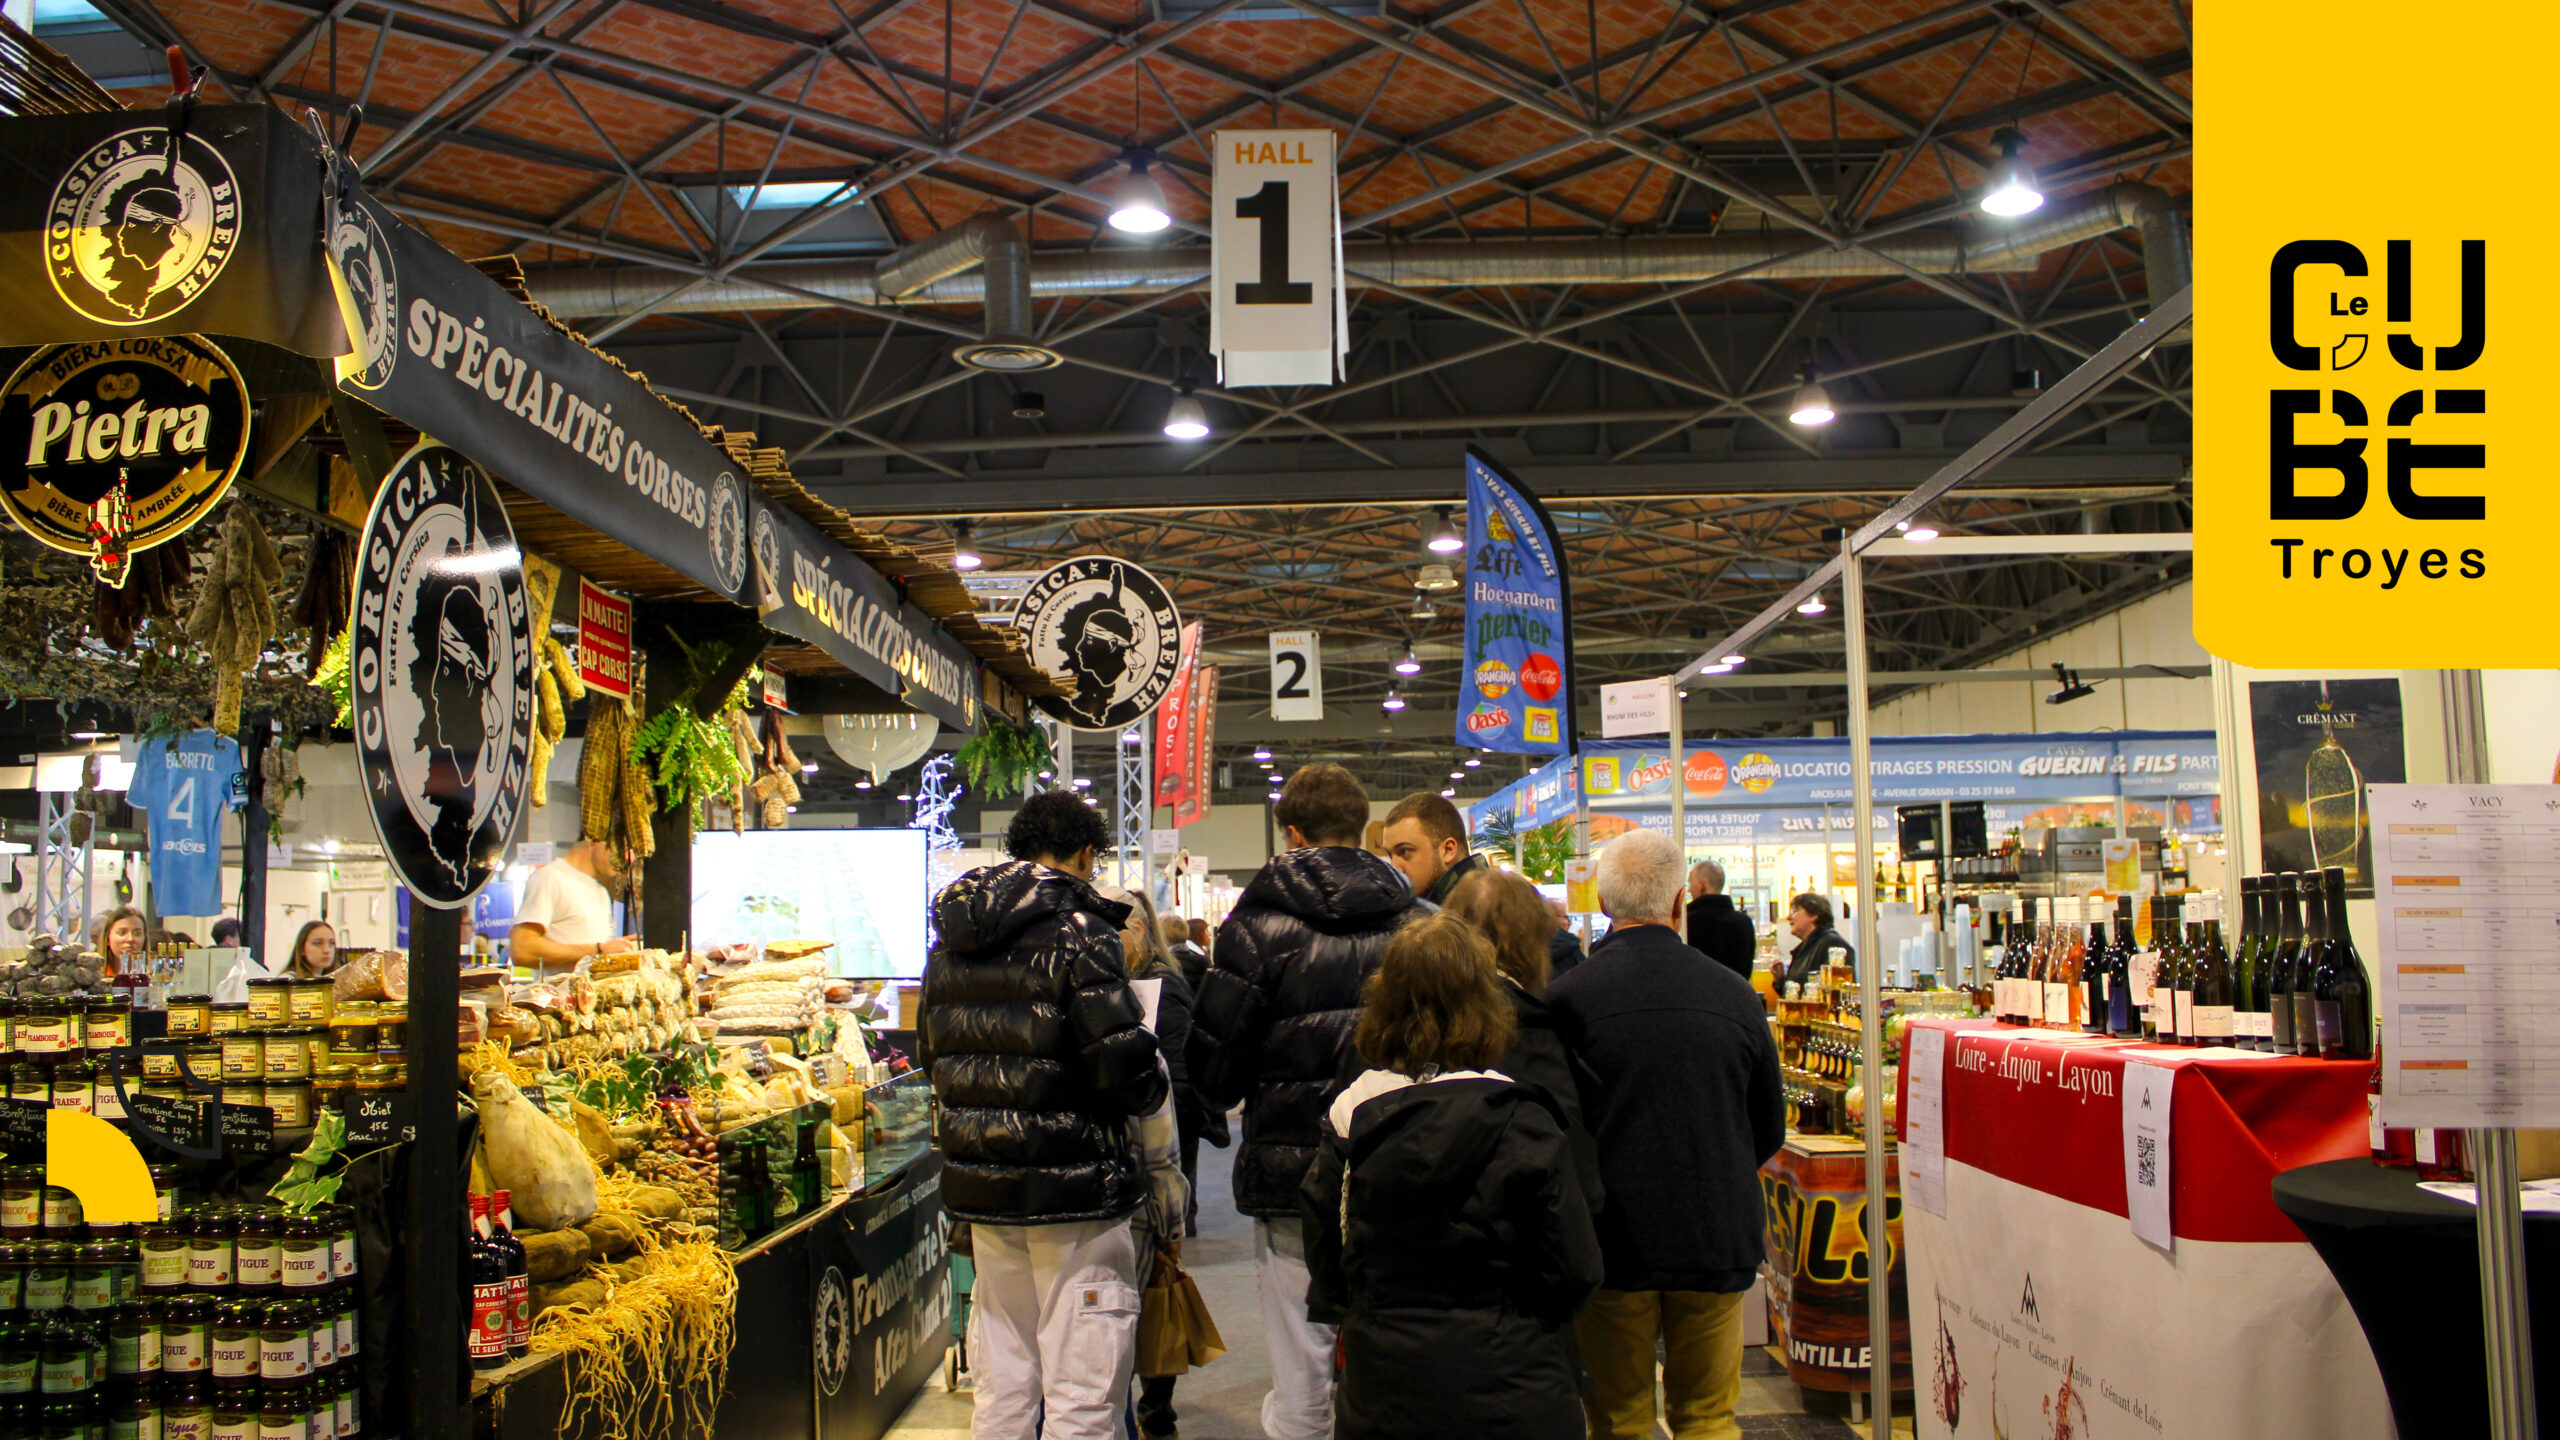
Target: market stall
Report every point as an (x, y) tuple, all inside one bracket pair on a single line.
[(2027, 1256)]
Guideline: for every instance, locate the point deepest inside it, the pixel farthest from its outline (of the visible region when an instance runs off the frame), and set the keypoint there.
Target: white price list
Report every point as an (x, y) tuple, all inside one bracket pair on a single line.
[(2468, 911)]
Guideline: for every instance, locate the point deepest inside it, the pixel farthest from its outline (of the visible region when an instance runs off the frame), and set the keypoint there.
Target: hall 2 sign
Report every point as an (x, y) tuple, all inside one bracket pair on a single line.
[(1277, 313)]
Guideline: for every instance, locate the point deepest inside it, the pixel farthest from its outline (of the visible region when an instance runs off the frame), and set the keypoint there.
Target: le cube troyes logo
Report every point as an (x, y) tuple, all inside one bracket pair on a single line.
[(2370, 476)]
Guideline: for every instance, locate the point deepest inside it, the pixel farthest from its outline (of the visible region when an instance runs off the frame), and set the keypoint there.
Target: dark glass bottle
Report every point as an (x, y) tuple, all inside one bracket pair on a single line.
[(2288, 896), (2215, 992), (2261, 943), (2342, 998), (2095, 975), (502, 1221), (2176, 986), (2306, 964), (2244, 966), (2123, 1018)]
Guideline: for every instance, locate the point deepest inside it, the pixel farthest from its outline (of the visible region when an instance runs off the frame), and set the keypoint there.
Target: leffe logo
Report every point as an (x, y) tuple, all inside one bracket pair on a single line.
[(442, 663), (134, 232)]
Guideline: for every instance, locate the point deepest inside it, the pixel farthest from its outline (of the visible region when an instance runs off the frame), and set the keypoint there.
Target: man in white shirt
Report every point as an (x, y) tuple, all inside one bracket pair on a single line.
[(566, 914)]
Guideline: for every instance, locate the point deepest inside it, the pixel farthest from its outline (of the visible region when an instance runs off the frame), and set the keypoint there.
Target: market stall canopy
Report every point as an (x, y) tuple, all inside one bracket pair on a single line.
[(1776, 790), (230, 237)]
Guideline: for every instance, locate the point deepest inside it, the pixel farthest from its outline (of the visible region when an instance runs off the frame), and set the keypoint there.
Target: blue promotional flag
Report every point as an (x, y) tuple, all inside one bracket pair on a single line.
[(1515, 680)]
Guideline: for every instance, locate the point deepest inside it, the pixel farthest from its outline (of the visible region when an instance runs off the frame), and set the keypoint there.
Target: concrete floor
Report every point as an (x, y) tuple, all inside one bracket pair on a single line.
[(1224, 1401)]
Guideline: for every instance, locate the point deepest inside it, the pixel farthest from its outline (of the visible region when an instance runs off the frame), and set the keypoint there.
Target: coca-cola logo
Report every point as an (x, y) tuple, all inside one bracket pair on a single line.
[(1487, 717), (1706, 773), (1541, 677)]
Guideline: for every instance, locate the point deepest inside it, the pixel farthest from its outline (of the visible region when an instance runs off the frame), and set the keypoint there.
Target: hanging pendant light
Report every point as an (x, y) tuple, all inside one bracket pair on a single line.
[(1184, 419), (1137, 207), (1812, 403), (964, 554), (1409, 663), (1445, 539), (2013, 189)]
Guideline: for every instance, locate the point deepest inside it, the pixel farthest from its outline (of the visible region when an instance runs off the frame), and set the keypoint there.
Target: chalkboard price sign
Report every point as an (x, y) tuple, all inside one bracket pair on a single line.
[(178, 1124), (248, 1129), (22, 1128), (379, 1120)]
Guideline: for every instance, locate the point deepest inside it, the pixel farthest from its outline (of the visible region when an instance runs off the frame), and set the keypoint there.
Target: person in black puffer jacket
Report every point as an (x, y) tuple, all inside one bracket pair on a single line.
[(1446, 1232), (1271, 1028), (1039, 1062)]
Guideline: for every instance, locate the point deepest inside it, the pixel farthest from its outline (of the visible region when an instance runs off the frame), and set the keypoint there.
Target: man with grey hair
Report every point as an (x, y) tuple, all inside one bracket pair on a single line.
[(1717, 930), (1685, 1108)]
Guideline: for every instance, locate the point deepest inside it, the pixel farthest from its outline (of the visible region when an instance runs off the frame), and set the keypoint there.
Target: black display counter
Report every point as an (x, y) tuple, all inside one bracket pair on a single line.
[(2409, 1262), (842, 1317)]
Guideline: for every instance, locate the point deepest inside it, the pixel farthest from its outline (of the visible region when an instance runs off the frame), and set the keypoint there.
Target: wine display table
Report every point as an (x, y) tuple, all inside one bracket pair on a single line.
[(2409, 1262), (2036, 1311)]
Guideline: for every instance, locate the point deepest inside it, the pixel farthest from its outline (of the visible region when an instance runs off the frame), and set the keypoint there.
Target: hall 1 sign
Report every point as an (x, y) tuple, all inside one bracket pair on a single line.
[(1277, 314)]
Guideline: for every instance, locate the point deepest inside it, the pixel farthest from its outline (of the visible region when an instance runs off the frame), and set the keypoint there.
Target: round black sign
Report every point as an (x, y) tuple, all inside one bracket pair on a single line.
[(129, 237), (165, 417), (442, 664), (831, 1331), (1108, 626)]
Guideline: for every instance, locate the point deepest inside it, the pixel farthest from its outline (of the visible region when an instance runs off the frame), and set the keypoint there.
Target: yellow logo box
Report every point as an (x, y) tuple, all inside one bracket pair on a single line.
[(2369, 370)]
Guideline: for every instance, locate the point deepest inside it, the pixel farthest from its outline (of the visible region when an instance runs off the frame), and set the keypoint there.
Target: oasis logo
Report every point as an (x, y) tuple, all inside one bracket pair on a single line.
[(1488, 717), (1652, 770), (2397, 390)]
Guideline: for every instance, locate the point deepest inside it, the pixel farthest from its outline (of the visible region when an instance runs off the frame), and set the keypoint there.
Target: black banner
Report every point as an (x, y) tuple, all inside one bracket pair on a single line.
[(808, 587), (883, 1303), (100, 237)]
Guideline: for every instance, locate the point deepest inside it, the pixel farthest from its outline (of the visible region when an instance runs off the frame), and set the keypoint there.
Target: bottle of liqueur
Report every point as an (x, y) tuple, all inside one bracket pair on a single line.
[(2342, 1001), (2288, 895), (2306, 964), (2124, 1018), (2215, 991), (2098, 980), (2244, 967), (485, 1269)]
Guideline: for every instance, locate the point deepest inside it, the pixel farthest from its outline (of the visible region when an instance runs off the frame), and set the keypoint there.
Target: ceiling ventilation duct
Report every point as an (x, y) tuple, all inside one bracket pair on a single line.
[(991, 245)]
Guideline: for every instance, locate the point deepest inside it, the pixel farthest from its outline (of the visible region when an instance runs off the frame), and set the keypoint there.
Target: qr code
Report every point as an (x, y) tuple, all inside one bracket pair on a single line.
[(2146, 1160)]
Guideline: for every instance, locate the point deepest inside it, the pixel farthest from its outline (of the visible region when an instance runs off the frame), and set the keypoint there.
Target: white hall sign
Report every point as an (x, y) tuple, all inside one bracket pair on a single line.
[(1277, 314)]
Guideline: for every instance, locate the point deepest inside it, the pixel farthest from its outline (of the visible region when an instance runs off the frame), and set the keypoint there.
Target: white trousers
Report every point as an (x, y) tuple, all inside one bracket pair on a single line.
[(1056, 1313), (1300, 1405)]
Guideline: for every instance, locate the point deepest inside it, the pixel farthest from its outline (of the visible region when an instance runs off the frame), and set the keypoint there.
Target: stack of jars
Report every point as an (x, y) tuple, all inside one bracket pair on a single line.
[(213, 1323), (279, 1048), (59, 1051)]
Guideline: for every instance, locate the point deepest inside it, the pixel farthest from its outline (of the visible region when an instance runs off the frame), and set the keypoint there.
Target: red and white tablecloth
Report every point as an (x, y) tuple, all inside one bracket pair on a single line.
[(2036, 1312)]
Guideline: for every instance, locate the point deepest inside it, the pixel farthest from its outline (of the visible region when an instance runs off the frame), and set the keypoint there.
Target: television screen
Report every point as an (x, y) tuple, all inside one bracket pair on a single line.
[(863, 889)]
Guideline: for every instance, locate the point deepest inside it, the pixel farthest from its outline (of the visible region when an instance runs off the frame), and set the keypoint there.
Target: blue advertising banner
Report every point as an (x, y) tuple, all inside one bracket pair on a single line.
[(1727, 779), (1515, 673)]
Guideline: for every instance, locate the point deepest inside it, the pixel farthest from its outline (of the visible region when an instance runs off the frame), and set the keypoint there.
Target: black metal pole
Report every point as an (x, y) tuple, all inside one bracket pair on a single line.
[(253, 838), (438, 1376)]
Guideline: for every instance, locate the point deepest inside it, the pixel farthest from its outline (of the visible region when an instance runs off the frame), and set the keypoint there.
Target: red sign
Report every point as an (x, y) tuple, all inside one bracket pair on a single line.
[(1204, 720), (604, 640), (1541, 677), (1705, 773), (1173, 723)]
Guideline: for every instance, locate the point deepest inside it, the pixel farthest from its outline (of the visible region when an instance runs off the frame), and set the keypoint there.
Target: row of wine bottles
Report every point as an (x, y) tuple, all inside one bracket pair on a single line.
[(2291, 984)]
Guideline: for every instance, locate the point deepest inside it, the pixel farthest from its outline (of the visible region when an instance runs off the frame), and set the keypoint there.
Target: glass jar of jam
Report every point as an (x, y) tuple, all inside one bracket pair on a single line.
[(270, 1002), (228, 1015), (310, 1002), (235, 1413), (186, 1338), (45, 1027), (306, 1256), (10, 1010), (62, 1217), (339, 1221), (391, 1026), (258, 1252), (21, 1201), (288, 1057), (190, 1016), (161, 1060), (375, 1080), (106, 1102), (284, 1412), (212, 1235), (244, 1056), (353, 1027), (93, 1277), (186, 1411), (235, 1339), (164, 1184), (284, 1341), (128, 1263), (346, 1342), (75, 1085), (32, 1079), (203, 1059), (107, 1024), (135, 1413), (163, 1248), (49, 1275), (133, 1340), (14, 1255), (243, 1092), (291, 1101)]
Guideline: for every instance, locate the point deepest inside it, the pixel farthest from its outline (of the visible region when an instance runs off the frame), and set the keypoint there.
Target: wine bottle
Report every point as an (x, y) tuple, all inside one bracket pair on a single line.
[(2342, 1001), (2058, 989), (2004, 945), (2288, 896), (2306, 965), (2263, 966), (2176, 987), (485, 1267), (502, 1225), (2214, 989), (2124, 1018), (2244, 967), (2096, 1015), (2031, 970)]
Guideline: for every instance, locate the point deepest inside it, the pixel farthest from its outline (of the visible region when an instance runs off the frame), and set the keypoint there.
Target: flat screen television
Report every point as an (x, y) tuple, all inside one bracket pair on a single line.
[(863, 889)]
